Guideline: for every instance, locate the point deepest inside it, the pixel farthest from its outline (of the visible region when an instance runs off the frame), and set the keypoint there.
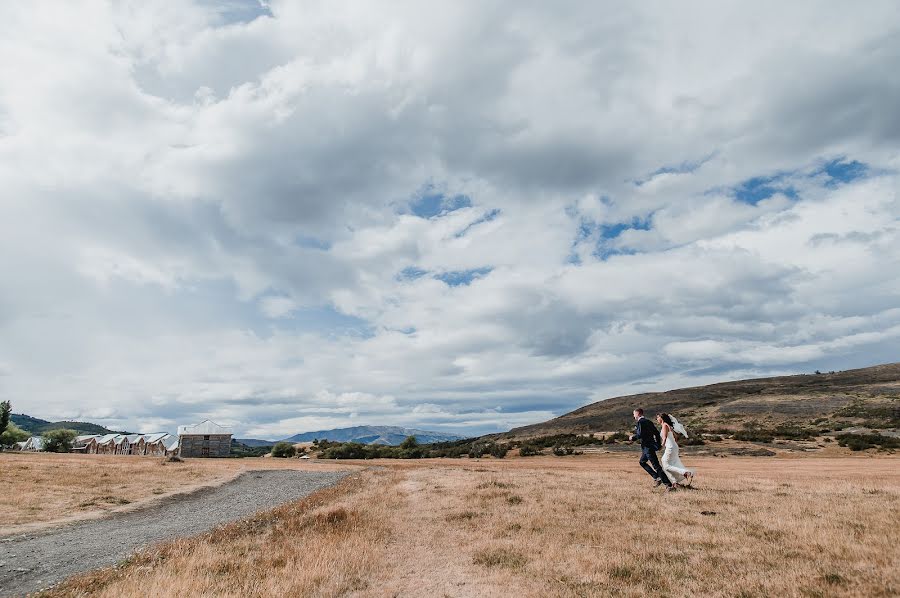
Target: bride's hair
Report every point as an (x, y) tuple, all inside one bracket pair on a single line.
[(666, 418)]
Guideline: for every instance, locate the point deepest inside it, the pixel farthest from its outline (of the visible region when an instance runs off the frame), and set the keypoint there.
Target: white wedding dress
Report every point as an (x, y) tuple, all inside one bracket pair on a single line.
[(671, 462)]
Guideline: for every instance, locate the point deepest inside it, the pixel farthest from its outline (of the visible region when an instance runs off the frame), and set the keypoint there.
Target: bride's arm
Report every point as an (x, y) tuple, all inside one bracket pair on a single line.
[(665, 432)]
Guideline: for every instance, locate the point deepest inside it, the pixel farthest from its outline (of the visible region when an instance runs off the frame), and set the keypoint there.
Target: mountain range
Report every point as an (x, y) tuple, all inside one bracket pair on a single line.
[(388, 435)]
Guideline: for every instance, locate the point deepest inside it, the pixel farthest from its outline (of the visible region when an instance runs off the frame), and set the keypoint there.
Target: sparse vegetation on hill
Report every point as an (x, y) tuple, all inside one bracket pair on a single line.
[(861, 442), (37, 427), (239, 449), (761, 410)]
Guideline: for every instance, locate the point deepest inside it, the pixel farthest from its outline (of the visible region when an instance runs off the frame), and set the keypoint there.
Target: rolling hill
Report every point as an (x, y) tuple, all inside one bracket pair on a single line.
[(867, 398), (36, 426), (387, 435), (255, 442)]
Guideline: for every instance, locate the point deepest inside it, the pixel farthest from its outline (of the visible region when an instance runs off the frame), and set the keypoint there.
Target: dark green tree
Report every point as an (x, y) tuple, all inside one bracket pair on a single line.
[(12, 435), (284, 450), (5, 409), (59, 441)]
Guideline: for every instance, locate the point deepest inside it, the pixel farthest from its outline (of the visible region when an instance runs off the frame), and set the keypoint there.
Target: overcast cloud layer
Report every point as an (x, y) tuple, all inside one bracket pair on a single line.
[(457, 216)]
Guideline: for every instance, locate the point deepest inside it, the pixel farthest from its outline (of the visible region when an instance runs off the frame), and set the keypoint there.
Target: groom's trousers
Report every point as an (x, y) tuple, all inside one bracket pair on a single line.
[(656, 472)]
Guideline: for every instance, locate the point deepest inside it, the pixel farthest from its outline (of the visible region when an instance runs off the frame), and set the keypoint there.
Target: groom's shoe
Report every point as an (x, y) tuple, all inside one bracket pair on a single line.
[(658, 482)]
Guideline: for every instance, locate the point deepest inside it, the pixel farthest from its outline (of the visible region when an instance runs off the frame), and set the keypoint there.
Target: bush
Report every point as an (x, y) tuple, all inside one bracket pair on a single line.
[(283, 450), (691, 441), (59, 441), (348, 450), (529, 450), (754, 436), (861, 442), (12, 435), (562, 451), (498, 451), (616, 437)]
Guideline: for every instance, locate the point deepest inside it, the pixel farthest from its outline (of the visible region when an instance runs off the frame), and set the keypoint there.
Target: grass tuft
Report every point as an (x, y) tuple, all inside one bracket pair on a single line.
[(499, 557)]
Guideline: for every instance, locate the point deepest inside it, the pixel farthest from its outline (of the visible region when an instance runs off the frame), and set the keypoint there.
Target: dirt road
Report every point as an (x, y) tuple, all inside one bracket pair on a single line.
[(35, 561)]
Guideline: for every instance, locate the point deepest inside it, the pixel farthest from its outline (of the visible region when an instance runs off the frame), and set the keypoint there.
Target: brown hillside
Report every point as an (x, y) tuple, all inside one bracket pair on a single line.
[(868, 398)]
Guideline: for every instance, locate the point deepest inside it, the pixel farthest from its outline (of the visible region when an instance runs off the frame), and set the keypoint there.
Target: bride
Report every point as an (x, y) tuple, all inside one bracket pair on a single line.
[(671, 463)]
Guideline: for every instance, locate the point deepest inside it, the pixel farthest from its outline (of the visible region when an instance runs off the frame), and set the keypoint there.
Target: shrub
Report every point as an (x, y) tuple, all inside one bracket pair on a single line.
[(691, 441), (12, 435), (498, 451), (790, 432), (754, 436), (283, 450), (861, 442), (616, 437), (347, 450), (59, 441), (529, 450)]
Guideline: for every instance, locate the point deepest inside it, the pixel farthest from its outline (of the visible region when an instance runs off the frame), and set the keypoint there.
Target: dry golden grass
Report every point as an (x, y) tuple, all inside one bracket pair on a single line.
[(50, 488), (586, 526)]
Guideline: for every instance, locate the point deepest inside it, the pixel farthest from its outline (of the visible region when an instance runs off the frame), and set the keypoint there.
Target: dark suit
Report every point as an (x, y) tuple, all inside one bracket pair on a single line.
[(646, 432)]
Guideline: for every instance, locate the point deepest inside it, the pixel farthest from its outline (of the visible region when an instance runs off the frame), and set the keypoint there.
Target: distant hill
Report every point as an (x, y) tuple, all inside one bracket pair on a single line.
[(254, 442), (36, 426), (868, 397), (388, 435)]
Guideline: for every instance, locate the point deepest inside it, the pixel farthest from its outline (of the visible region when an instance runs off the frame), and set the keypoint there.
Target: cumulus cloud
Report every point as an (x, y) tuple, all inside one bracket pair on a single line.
[(463, 216)]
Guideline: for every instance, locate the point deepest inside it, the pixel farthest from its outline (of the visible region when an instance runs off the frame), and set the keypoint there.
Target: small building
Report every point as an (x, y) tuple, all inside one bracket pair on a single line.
[(170, 445), (85, 444), (105, 445), (157, 444), (206, 439)]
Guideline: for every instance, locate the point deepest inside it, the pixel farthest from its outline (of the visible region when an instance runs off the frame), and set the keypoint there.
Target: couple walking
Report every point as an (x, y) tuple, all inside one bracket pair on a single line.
[(672, 472)]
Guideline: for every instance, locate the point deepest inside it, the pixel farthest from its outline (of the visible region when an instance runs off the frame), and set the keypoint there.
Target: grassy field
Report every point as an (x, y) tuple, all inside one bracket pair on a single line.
[(50, 488), (576, 526)]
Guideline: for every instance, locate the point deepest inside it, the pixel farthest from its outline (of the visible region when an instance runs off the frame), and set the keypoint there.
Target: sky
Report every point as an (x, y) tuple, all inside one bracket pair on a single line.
[(459, 216)]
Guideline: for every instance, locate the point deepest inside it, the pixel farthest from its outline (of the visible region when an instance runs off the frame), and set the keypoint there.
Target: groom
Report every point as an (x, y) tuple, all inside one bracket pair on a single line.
[(646, 432)]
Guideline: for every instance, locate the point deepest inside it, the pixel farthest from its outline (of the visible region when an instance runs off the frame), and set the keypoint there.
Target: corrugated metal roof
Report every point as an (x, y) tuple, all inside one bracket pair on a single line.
[(155, 437), (205, 427)]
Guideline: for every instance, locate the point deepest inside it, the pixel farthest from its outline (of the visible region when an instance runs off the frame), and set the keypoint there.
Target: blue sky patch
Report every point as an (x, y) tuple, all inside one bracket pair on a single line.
[(457, 278), (430, 204), (411, 273), (754, 190), (842, 171)]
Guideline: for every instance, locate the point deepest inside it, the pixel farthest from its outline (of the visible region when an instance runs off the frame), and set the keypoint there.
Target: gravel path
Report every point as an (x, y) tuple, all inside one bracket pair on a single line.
[(35, 561)]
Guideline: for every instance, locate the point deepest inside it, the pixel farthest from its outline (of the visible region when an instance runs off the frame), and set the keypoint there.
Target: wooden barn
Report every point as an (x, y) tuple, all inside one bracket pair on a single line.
[(206, 439)]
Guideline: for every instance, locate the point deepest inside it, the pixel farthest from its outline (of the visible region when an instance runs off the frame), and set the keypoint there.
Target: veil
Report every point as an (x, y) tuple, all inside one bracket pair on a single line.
[(678, 427)]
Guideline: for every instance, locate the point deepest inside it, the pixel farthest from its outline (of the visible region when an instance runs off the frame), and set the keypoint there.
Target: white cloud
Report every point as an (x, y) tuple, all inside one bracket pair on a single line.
[(211, 216)]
